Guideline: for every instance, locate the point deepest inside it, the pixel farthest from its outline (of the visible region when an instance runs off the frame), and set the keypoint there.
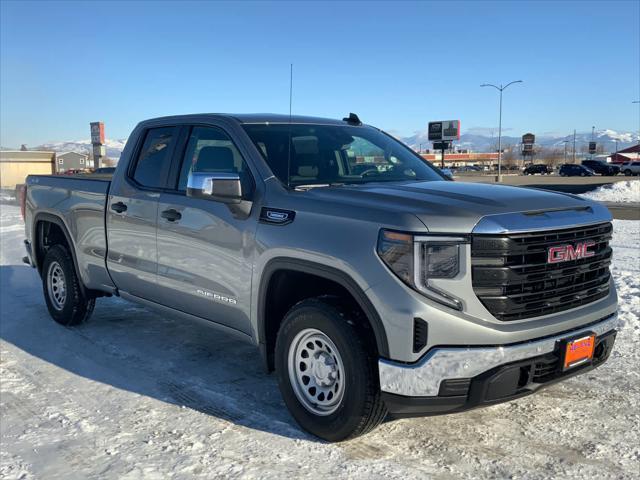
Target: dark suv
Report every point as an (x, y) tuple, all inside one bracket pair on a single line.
[(534, 169), (571, 170), (603, 168)]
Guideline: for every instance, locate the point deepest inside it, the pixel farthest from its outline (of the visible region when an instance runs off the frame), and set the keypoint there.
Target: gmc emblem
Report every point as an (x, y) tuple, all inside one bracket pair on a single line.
[(564, 253)]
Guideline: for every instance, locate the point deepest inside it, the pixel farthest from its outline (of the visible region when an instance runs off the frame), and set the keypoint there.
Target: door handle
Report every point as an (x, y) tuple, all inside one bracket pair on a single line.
[(171, 215), (119, 207)]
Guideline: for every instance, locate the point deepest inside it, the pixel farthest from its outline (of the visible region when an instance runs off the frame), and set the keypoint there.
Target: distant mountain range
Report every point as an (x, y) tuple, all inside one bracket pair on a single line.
[(483, 143), (470, 141), (114, 147)]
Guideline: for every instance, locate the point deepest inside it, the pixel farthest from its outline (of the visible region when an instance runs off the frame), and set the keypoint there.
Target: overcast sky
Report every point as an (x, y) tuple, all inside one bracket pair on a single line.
[(398, 65)]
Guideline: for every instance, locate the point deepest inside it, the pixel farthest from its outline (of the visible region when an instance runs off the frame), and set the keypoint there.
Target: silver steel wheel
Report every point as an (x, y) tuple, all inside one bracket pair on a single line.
[(56, 285), (316, 372)]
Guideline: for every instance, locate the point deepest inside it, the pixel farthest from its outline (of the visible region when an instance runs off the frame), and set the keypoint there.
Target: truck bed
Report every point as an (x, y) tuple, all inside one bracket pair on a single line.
[(78, 201)]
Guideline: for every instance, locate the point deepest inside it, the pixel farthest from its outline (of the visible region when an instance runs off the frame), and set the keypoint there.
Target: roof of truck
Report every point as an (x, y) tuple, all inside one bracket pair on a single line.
[(255, 118)]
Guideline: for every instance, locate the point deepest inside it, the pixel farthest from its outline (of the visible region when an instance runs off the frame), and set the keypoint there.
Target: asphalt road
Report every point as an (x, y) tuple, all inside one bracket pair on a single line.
[(550, 182), (620, 211)]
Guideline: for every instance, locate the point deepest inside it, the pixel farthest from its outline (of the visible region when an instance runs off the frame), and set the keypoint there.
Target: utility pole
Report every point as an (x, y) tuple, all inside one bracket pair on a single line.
[(593, 129), (565, 150), (574, 146), (500, 89)]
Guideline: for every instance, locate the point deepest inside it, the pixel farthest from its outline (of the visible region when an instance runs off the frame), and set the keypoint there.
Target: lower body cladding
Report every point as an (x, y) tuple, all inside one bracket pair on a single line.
[(454, 379)]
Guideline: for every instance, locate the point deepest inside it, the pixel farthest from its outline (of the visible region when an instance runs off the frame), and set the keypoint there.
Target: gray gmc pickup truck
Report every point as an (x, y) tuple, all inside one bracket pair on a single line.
[(371, 284)]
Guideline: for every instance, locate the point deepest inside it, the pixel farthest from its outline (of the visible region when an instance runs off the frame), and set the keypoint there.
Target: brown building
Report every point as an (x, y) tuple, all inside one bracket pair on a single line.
[(15, 165)]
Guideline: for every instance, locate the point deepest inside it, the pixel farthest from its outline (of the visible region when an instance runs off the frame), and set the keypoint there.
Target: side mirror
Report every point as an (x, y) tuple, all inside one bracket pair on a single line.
[(447, 173), (218, 186)]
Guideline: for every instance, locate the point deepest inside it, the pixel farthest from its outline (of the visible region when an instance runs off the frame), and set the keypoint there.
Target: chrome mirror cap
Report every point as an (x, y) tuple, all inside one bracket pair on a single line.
[(218, 186)]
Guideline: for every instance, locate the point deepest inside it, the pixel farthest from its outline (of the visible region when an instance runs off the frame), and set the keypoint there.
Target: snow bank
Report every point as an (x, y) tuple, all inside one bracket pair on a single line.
[(620, 192)]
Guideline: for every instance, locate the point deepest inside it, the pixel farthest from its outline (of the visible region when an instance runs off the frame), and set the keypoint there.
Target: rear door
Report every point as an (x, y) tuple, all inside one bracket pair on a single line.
[(206, 248), (132, 213)]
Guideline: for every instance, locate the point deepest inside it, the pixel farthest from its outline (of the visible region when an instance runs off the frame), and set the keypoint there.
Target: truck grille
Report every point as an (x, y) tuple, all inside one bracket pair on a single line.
[(513, 280)]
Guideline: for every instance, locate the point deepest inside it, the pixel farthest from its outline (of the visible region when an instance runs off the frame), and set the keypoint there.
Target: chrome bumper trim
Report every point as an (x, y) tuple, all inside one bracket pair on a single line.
[(423, 378)]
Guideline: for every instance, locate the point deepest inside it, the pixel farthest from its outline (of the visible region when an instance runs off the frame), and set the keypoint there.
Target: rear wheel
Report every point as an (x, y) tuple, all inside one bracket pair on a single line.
[(627, 173), (64, 297), (327, 371)]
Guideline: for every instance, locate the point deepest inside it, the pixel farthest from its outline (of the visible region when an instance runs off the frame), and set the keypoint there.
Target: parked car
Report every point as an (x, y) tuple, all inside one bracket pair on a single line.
[(630, 168), (385, 291), (537, 170), (573, 170), (602, 168), (105, 170)]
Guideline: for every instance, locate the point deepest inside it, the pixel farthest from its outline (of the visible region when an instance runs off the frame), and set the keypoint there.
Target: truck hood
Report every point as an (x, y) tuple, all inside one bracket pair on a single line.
[(453, 207)]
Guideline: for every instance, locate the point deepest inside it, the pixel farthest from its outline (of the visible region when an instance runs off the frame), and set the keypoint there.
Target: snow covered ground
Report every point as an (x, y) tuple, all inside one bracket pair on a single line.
[(620, 192), (133, 395)]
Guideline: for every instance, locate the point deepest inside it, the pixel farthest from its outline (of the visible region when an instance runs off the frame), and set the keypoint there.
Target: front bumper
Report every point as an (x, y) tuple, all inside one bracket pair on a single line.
[(452, 379)]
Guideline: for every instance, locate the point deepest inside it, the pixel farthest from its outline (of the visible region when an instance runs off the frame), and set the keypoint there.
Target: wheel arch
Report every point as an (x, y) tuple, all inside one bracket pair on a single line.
[(330, 274), (39, 222)]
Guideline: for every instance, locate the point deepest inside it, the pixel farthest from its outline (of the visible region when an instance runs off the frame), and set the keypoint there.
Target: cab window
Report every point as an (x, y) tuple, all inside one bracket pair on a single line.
[(210, 150), (154, 157)]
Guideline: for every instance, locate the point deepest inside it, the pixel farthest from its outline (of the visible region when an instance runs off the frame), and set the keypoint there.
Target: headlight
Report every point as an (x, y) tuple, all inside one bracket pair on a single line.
[(417, 260)]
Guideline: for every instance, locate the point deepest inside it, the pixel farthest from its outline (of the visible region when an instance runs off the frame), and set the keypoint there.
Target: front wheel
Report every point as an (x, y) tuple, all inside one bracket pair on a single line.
[(327, 371), (627, 173), (63, 295)]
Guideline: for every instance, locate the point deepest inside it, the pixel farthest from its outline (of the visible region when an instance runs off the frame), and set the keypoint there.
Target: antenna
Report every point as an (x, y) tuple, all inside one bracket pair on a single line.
[(289, 142)]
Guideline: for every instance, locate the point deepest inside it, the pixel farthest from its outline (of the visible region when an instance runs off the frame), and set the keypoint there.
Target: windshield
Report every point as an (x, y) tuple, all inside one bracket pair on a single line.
[(330, 154)]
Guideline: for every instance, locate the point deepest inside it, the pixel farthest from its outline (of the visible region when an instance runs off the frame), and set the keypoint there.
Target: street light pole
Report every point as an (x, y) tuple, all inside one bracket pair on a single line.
[(500, 89), (638, 102), (574, 146), (565, 150)]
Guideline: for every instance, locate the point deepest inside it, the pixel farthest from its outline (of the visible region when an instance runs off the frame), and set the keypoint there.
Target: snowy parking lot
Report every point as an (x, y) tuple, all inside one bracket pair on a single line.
[(134, 395)]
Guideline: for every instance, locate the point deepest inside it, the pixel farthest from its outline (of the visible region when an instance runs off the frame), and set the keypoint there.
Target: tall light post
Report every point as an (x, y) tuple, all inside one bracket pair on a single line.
[(501, 88), (565, 150), (638, 102)]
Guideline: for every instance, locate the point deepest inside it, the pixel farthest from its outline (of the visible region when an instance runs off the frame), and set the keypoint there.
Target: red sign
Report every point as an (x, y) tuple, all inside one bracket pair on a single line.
[(565, 253), (97, 133)]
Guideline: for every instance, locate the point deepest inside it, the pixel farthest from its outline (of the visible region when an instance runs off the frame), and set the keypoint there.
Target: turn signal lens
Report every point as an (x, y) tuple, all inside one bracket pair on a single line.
[(396, 251)]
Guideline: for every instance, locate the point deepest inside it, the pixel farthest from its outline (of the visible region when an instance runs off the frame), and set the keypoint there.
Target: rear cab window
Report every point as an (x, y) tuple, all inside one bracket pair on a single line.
[(154, 158)]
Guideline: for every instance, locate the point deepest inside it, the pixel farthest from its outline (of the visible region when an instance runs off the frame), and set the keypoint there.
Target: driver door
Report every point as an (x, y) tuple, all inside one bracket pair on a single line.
[(206, 248)]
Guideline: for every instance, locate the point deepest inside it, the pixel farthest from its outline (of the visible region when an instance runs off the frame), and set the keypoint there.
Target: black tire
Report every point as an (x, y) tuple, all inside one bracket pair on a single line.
[(627, 173), (76, 308), (361, 408)]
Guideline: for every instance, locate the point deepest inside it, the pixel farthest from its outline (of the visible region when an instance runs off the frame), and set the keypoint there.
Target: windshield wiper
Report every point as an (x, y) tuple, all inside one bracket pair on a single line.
[(317, 185)]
